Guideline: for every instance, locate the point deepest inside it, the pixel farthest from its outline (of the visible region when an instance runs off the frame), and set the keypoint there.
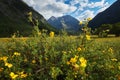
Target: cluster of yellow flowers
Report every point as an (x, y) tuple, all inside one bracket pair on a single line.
[(9, 65), (13, 75), (19, 75), (4, 58), (83, 62), (51, 34), (73, 60), (77, 65), (17, 54)]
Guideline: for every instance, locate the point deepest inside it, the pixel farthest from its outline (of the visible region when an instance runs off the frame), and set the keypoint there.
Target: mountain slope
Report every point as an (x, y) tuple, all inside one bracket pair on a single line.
[(13, 18), (110, 16), (69, 23)]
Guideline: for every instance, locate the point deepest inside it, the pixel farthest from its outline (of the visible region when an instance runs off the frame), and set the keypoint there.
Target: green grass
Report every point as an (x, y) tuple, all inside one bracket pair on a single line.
[(60, 58)]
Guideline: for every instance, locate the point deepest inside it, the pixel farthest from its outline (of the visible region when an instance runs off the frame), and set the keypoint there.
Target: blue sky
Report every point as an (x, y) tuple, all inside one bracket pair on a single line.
[(80, 9)]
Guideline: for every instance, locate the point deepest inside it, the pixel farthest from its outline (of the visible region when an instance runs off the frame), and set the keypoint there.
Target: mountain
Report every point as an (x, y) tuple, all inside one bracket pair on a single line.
[(67, 22), (13, 18), (110, 16)]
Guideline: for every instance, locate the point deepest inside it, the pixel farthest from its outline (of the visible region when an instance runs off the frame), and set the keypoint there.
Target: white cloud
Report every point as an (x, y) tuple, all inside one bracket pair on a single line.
[(97, 4), (74, 2), (57, 8), (50, 8), (81, 12), (82, 3), (106, 5), (85, 14)]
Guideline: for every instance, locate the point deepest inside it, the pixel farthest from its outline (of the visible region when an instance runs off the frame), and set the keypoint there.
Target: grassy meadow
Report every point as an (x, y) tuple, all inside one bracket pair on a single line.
[(59, 58), (51, 54)]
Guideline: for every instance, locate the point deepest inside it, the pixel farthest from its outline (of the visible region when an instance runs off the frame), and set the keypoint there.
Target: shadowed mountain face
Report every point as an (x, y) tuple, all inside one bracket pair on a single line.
[(110, 16), (69, 23), (13, 18)]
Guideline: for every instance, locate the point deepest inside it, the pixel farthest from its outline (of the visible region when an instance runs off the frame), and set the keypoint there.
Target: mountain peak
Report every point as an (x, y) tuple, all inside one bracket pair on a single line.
[(52, 18), (67, 22)]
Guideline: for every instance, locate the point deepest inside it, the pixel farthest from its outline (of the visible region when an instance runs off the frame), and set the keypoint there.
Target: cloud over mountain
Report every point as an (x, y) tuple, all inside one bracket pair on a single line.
[(49, 8), (75, 8)]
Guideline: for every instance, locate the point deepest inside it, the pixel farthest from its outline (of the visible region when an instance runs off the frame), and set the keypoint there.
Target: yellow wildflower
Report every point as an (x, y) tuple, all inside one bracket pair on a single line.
[(22, 74), (110, 50), (73, 60), (4, 58), (33, 61), (68, 63), (83, 65), (16, 54), (88, 19), (76, 67), (8, 65), (83, 62), (13, 75), (51, 34), (79, 49), (114, 59), (88, 37), (80, 22), (82, 59)]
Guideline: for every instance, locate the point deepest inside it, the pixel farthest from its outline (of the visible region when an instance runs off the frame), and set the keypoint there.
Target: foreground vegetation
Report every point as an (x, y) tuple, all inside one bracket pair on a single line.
[(46, 57), (60, 58)]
